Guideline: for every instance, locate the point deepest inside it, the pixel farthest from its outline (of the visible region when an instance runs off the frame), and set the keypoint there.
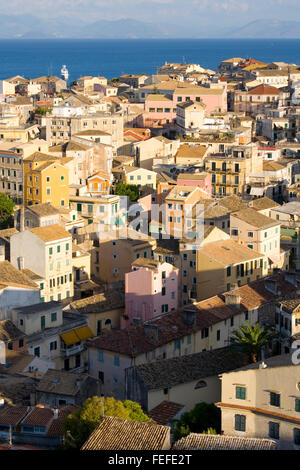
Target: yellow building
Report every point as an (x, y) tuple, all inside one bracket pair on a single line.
[(46, 180), (229, 173), (224, 265)]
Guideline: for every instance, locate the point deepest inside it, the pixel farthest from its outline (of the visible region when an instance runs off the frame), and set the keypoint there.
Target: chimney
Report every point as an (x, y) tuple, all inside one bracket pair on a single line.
[(151, 331), (21, 262), (189, 317), (233, 299), (291, 278), (271, 286)]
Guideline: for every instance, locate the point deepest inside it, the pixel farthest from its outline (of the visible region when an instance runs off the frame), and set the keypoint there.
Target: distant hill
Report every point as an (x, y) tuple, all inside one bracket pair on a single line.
[(31, 27), (267, 29)]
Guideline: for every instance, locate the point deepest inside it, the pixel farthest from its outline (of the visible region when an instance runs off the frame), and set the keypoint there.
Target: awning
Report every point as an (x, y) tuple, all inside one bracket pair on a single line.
[(257, 191), (74, 336), (70, 337), (84, 332)]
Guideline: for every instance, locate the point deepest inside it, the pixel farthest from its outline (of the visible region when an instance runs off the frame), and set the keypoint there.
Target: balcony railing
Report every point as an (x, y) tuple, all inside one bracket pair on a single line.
[(72, 350)]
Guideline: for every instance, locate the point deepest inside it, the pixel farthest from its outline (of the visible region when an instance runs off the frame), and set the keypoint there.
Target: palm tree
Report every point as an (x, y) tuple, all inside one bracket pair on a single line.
[(250, 340)]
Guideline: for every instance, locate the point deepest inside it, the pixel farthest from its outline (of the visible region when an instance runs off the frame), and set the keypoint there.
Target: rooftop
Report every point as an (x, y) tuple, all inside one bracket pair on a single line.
[(121, 434), (229, 252), (168, 373), (10, 276), (217, 442), (9, 331), (50, 233), (165, 412), (102, 302), (188, 151), (61, 382), (43, 210), (254, 218), (264, 203)]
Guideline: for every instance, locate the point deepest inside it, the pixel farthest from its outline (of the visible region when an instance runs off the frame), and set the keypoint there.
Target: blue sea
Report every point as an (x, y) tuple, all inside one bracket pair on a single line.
[(111, 58)]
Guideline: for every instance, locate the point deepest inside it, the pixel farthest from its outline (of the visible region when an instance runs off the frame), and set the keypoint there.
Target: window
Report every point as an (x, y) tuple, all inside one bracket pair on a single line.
[(37, 351), (67, 246), (240, 392), (204, 333), (100, 355), (50, 251), (21, 343), (163, 291), (231, 321), (250, 234), (228, 271), (297, 436), (53, 345), (297, 404), (116, 361), (234, 232), (58, 249), (53, 316), (274, 430), (176, 344), (240, 423), (274, 399), (218, 335)]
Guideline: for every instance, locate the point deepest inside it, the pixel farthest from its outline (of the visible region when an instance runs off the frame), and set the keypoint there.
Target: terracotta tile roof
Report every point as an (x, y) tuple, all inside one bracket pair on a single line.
[(254, 218), (264, 90), (43, 210), (165, 412), (229, 252), (102, 302), (39, 417), (217, 442), (121, 434), (16, 362), (290, 306), (13, 414), (168, 373), (272, 166), (61, 382), (56, 427), (132, 341), (263, 203), (40, 157), (187, 151), (10, 276), (51, 233), (9, 332), (232, 203), (146, 263)]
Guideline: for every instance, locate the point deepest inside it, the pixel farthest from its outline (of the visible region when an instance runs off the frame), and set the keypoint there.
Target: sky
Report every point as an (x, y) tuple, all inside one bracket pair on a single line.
[(197, 12)]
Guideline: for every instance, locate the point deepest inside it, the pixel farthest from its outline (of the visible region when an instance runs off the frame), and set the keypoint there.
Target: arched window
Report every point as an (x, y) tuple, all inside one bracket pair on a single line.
[(200, 384), (107, 322)]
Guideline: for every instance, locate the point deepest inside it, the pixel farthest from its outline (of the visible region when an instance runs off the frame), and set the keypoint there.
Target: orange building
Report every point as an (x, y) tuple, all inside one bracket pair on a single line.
[(99, 183)]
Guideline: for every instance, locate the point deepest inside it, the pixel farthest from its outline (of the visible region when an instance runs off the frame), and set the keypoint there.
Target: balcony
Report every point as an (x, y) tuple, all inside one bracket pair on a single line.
[(72, 350)]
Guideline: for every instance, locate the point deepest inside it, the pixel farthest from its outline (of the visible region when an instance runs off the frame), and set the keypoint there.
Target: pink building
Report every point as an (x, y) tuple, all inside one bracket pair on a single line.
[(151, 289), (202, 180), (159, 109)]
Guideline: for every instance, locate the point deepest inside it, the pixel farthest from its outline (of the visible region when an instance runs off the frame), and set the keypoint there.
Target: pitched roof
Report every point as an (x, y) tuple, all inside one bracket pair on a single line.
[(168, 373), (50, 232), (43, 210), (10, 276), (232, 203), (38, 416), (13, 414), (217, 442), (188, 151), (61, 382), (133, 341), (102, 302), (165, 412), (272, 166), (16, 362), (264, 90), (262, 203), (121, 434), (254, 218), (40, 157), (228, 252), (9, 331), (90, 132)]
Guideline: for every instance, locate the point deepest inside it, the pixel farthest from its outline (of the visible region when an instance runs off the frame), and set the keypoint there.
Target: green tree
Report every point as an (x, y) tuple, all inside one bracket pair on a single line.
[(130, 190), (42, 111), (203, 417), (6, 211), (251, 339), (79, 425)]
